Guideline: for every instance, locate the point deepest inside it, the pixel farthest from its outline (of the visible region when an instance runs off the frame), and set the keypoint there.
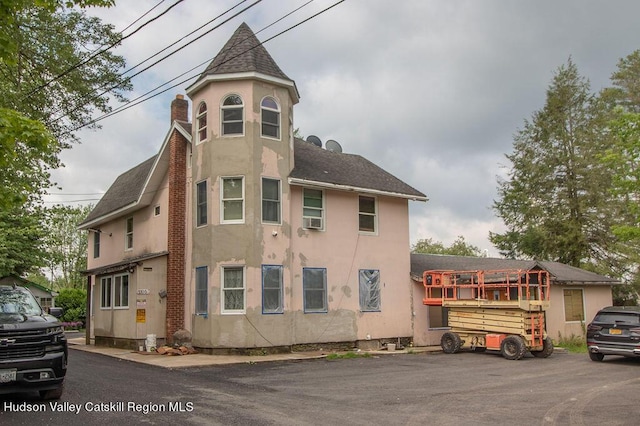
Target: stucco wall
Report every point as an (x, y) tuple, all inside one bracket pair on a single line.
[(145, 284), (595, 297), (149, 233)]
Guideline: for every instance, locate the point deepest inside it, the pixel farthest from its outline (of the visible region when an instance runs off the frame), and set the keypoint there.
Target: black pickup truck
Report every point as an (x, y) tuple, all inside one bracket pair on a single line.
[(33, 347)]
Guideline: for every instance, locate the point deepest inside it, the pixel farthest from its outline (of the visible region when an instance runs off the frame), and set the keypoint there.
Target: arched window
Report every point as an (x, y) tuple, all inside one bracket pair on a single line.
[(270, 118), (201, 119), (232, 115)]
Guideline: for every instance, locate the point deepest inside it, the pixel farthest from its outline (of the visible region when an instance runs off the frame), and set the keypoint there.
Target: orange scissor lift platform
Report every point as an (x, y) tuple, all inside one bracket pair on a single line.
[(492, 309)]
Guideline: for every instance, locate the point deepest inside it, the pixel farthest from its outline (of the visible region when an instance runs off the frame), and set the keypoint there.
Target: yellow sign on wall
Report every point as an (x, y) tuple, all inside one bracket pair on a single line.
[(141, 315)]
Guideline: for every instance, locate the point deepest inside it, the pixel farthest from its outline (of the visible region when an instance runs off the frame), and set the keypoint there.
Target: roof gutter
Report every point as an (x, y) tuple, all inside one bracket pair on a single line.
[(349, 188)]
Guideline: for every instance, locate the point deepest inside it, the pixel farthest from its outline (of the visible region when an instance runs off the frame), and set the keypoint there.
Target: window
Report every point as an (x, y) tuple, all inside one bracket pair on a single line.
[(201, 203), (231, 113), (233, 289), (202, 285), (270, 200), (369, 282), (156, 211), (270, 118), (272, 289), (201, 119), (232, 200), (105, 292), (121, 291), (96, 244), (367, 214), (313, 209), (573, 305), (128, 237), (46, 303), (314, 284)]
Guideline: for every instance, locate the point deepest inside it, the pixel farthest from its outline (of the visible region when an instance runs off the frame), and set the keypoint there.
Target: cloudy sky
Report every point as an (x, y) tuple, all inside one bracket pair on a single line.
[(430, 90)]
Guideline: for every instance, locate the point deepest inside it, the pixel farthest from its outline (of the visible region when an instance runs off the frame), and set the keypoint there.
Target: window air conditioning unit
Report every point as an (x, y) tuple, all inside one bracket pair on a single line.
[(312, 222)]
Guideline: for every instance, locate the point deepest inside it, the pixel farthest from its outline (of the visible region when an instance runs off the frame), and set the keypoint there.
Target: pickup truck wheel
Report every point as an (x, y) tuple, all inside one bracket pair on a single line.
[(52, 393), (595, 356), (513, 348), (547, 349), (450, 343)]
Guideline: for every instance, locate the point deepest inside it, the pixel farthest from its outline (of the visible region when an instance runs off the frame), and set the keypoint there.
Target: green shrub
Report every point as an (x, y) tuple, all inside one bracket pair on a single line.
[(74, 303)]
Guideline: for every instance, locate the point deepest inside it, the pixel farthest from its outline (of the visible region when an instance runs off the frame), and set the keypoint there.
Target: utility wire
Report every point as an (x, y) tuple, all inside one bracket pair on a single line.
[(91, 57), (115, 86), (133, 103), (143, 15)]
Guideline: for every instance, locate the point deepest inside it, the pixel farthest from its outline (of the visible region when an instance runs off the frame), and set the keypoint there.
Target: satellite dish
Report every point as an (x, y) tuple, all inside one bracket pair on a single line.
[(314, 140), (333, 146)]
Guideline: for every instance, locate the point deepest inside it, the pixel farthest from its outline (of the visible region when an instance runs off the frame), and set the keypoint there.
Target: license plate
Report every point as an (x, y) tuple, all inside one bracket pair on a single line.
[(7, 376), (615, 331)]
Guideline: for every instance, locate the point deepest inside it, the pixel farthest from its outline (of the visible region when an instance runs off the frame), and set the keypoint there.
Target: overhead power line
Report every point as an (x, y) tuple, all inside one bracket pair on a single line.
[(139, 100), (100, 52), (115, 86)]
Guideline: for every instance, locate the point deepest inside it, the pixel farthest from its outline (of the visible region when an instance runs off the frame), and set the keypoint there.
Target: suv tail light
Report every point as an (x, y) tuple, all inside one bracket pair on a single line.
[(593, 327)]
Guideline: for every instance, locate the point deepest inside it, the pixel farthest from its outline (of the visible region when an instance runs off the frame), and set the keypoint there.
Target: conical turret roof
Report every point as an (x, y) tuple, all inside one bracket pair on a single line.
[(243, 53)]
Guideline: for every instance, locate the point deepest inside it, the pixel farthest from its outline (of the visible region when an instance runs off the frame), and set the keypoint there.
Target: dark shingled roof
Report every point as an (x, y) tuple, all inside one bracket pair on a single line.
[(243, 53), (562, 274), (124, 191), (313, 163), (185, 125)]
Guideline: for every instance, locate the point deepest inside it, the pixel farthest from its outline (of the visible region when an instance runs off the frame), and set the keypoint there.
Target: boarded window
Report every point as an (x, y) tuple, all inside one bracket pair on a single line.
[(573, 305)]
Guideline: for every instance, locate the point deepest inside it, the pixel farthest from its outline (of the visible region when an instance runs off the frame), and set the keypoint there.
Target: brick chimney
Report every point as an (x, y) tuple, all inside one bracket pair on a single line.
[(179, 109), (176, 243)]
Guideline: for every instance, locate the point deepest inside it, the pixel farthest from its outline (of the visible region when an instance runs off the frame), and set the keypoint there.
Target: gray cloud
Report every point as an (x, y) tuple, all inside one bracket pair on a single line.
[(432, 91)]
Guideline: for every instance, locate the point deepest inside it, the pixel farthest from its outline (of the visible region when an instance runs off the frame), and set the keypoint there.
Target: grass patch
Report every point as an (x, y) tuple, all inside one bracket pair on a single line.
[(349, 355), (574, 344)]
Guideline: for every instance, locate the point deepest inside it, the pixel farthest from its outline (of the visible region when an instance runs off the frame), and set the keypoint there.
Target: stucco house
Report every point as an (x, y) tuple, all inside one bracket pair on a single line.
[(576, 294), (245, 235)]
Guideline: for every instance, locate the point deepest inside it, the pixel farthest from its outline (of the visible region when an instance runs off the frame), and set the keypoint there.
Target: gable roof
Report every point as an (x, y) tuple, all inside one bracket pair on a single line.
[(124, 191), (244, 56), (321, 167), (135, 187), (561, 273)]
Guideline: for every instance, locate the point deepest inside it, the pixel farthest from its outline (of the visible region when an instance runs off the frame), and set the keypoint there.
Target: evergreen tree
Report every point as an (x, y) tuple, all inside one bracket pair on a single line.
[(555, 201)]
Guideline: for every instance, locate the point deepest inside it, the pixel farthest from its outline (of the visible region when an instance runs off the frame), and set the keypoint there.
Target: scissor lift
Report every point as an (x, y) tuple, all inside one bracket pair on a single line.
[(501, 310)]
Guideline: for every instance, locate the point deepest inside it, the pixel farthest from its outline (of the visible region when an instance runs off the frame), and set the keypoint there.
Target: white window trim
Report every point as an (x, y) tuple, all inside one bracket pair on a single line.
[(202, 225), (375, 215), (110, 306), (584, 306), (279, 222), (325, 289), (113, 287), (323, 210), (223, 107), (112, 292), (222, 200), (198, 115), (242, 311), (279, 111), (127, 233), (281, 302)]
